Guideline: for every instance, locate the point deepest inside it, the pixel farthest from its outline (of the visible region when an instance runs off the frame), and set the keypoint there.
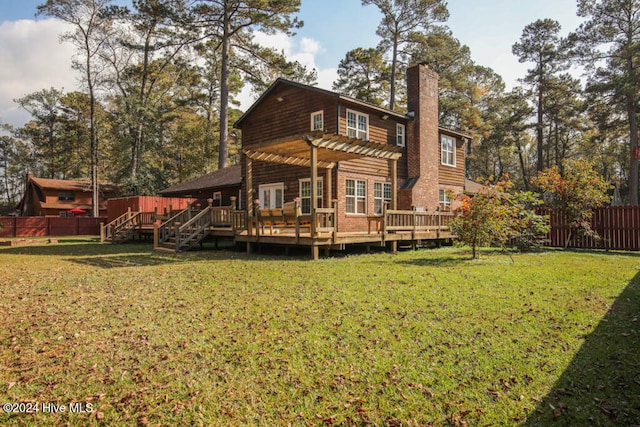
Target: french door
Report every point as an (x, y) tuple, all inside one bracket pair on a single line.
[(271, 196)]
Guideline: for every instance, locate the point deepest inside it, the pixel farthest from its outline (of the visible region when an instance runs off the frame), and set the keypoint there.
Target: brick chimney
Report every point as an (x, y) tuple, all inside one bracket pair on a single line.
[(423, 146)]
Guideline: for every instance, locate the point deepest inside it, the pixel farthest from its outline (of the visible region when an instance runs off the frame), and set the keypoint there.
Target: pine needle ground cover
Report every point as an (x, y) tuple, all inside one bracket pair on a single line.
[(117, 335)]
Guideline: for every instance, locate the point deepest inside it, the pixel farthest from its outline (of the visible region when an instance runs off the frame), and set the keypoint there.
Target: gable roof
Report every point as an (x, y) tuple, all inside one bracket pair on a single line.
[(339, 97), (70, 185), (226, 177)]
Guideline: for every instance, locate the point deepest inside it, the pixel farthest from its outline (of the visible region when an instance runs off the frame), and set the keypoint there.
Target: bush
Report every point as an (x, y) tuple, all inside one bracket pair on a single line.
[(578, 192), (493, 216), (528, 229)]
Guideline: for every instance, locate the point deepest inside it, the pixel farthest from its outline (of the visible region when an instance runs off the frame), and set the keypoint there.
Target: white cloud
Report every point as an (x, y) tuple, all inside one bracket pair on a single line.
[(32, 59), (302, 49)]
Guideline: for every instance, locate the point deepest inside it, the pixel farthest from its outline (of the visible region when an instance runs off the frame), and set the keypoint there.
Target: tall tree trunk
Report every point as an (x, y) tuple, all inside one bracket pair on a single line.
[(224, 92), (394, 66), (525, 179), (93, 144), (632, 109), (539, 130)]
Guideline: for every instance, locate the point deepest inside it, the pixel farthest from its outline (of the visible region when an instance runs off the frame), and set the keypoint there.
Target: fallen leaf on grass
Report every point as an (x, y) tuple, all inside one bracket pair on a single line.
[(494, 393)]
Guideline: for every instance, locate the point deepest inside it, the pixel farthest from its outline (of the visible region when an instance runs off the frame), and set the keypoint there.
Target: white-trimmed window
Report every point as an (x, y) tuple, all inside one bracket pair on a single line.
[(447, 151), (356, 196), (271, 196), (400, 135), (305, 194), (357, 125), (381, 195), (317, 120), (445, 201)]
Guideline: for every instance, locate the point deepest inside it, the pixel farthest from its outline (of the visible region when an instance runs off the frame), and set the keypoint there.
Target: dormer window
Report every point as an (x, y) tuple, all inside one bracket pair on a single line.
[(357, 125), (317, 120)]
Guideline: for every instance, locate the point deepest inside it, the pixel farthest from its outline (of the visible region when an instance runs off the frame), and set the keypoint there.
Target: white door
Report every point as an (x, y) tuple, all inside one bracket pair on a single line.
[(271, 196)]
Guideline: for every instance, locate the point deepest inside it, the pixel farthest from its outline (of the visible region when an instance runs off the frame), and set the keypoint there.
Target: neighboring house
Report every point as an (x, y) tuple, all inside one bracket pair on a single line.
[(360, 156), (220, 186), (46, 197)]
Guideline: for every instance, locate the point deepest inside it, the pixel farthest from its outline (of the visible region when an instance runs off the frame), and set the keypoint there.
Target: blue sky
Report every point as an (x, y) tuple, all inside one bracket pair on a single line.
[(33, 59)]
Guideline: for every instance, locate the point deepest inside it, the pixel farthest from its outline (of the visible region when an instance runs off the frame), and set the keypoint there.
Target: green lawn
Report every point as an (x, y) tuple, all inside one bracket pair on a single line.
[(221, 338)]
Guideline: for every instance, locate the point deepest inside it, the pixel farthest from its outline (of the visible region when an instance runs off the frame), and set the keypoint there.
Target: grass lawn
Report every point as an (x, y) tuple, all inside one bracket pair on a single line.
[(221, 338)]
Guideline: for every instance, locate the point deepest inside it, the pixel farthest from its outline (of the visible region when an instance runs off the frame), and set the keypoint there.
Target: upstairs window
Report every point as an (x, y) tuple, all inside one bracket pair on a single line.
[(400, 135), (357, 125), (317, 120), (66, 196), (447, 151)]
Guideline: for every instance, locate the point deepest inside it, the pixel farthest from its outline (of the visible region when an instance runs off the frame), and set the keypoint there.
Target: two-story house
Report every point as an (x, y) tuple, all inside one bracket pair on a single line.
[(360, 156)]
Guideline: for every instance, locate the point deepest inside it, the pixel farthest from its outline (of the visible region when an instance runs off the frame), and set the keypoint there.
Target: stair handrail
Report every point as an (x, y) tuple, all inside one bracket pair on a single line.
[(167, 229), (186, 233), (112, 229)]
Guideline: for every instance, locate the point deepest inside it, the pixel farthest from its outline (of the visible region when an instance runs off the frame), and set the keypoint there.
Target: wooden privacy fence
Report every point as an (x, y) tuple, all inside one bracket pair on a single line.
[(617, 226), (32, 226)]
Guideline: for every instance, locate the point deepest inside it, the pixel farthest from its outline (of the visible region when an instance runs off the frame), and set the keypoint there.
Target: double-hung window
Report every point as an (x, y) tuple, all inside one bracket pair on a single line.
[(400, 135), (357, 125), (356, 196), (317, 120), (305, 195), (381, 195), (445, 201), (447, 151)]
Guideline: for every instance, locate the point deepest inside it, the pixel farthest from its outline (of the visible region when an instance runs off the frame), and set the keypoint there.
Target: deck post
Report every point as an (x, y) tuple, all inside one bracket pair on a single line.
[(102, 232), (334, 203), (315, 252), (155, 235)]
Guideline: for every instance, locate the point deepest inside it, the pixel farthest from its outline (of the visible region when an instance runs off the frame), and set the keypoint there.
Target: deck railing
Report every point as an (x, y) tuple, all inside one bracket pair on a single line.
[(221, 216), (112, 230), (325, 220), (396, 220), (147, 218), (167, 229), (238, 220), (191, 231)]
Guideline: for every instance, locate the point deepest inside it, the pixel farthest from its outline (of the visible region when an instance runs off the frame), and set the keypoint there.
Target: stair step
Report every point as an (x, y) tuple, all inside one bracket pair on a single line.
[(164, 250)]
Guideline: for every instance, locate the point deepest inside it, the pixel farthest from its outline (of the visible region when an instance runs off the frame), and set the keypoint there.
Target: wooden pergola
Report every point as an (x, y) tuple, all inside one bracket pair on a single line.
[(320, 150)]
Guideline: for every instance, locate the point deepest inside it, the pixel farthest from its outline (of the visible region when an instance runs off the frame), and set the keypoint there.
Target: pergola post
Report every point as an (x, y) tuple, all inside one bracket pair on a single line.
[(394, 195), (314, 188), (394, 183), (249, 184), (328, 191)]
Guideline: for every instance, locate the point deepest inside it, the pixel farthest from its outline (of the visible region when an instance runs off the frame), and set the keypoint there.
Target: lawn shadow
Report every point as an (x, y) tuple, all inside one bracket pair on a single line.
[(130, 260), (77, 248), (601, 386)]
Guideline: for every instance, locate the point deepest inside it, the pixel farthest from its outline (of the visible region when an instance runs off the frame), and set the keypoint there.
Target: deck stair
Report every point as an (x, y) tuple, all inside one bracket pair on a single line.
[(122, 228), (184, 230)]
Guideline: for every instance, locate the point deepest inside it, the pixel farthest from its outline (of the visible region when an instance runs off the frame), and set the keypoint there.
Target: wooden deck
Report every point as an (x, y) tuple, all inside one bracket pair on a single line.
[(392, 227), (318, 231)]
